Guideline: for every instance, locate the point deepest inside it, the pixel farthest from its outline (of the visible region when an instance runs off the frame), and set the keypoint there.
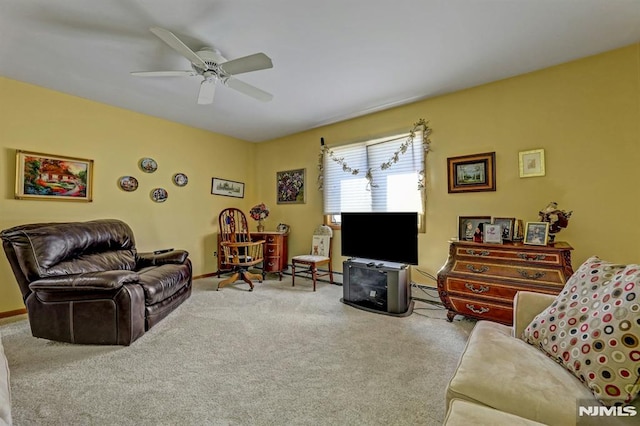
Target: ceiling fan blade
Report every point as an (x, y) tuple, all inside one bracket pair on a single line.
[(255, 62), (164, 73), (248, 89), (177, 44), (207, 90)]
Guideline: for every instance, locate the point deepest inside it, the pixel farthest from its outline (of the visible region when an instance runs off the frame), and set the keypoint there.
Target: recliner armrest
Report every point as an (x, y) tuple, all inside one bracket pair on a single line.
[(526, 305), (103, 280), (155, 259)]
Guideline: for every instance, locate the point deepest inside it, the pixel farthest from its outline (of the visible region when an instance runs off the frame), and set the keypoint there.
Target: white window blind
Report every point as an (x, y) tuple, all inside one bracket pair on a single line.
[(394, 189)]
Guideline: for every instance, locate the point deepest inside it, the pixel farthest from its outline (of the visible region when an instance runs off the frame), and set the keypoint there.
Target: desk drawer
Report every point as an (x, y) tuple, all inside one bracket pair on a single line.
[(271, 264), (271, 250), (521, 273), (490, 290), (482, 309), (524, 255)]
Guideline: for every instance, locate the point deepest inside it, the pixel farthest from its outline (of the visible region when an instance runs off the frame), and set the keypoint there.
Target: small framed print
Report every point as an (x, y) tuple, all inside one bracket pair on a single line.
[(492, 234), (228, 188), (531, 163), (470, 225), (472, 173), (507, 224), (536, 233)]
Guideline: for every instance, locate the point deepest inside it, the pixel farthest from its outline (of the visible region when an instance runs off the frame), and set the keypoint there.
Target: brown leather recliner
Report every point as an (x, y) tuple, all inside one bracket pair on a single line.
[(84, 282)]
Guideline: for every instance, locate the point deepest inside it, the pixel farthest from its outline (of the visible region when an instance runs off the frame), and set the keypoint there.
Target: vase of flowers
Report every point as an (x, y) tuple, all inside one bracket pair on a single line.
[(259, 212)]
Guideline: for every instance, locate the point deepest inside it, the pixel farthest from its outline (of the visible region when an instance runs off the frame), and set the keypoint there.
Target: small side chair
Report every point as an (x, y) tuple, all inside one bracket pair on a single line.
[(320, 255)]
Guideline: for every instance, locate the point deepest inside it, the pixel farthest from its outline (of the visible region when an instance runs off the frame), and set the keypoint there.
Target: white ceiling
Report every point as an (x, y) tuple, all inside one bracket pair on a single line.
[(333, 59)]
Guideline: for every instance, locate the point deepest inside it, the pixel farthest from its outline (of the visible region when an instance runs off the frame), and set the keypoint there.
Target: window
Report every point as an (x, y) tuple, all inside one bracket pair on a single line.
[(391, 189)]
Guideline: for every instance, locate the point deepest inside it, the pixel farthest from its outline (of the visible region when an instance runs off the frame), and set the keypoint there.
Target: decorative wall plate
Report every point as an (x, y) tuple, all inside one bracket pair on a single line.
[(148, 165), (128, 183), (180, 179), (159, 195)]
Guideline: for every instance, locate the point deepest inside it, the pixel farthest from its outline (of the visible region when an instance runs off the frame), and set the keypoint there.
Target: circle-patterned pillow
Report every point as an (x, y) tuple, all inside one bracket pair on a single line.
[(593, 329)]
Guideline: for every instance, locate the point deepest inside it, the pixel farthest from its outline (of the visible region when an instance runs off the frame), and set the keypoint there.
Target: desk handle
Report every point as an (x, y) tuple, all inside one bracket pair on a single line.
[(482, 289), (475, 253), (482, 310), (480, 270), (525, 274), (531, 257)]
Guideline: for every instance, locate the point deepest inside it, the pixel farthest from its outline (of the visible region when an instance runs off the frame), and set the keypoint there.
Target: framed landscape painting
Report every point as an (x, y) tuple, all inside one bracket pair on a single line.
[(53, 177), (472, 173)]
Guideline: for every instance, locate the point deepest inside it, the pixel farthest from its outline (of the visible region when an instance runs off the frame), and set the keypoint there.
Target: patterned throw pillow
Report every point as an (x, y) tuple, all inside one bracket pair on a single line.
[(593, 329)]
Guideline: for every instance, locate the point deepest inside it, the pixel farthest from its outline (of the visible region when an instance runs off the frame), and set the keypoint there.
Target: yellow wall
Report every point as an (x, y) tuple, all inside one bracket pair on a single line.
[(585, 114), (40, 120)]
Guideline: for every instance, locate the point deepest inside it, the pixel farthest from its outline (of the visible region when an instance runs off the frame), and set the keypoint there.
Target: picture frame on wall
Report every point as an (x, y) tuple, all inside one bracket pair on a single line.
[(492, 234), (472, 173), (52, 177), (290, 186), (468, 225), (507, 224), (531, 163), (227, 188), (536, 233)]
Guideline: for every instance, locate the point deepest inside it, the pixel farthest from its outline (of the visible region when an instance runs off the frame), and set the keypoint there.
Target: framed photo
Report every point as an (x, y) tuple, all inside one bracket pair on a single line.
[(472, 173), (469, 225), (53, 177), (228, 188), (492, 234), (531, 163), (536, 233), (507, 224), (290, 187)]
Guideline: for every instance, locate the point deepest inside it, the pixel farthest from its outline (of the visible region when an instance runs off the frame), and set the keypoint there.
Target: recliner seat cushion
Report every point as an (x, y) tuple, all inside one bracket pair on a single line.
[(505, 373), (162, 282)]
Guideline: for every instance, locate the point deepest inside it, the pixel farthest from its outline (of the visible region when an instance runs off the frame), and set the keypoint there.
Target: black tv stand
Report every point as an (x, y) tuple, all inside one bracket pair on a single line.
[(375, 286)]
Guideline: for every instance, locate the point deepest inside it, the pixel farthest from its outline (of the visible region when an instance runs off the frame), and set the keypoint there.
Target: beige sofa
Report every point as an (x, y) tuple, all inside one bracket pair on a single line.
[(5, 391), (500, 376)]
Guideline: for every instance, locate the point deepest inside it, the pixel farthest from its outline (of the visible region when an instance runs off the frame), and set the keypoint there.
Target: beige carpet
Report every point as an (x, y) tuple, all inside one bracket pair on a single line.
[(275, 356)]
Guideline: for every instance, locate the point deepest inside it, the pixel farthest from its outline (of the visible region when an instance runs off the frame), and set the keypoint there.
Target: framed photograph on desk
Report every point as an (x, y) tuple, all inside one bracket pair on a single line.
[(536, 233), (492, 234)]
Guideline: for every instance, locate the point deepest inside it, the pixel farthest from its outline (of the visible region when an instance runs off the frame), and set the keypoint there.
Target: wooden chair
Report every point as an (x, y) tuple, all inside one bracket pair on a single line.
[(238, 251), (320, 255)]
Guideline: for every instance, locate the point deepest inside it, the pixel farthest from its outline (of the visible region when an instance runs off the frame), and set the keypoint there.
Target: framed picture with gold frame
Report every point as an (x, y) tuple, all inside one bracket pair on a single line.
[(53, 177), (536, 233), (531, 163), (472, 173)]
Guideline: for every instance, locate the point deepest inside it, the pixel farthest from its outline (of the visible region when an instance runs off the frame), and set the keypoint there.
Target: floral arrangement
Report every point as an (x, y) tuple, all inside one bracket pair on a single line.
[(259, 212), (557, 219)]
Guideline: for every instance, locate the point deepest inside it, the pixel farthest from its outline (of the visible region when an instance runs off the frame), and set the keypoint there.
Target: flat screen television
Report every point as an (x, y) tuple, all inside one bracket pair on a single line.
[(388, 236)]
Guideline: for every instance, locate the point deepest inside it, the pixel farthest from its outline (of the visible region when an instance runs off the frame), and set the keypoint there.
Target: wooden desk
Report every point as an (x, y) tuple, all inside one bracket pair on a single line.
[(480, 280), (275, 252)]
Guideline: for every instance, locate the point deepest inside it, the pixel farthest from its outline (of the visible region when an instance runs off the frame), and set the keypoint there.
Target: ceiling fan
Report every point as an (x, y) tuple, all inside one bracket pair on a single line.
[(209, 63)]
